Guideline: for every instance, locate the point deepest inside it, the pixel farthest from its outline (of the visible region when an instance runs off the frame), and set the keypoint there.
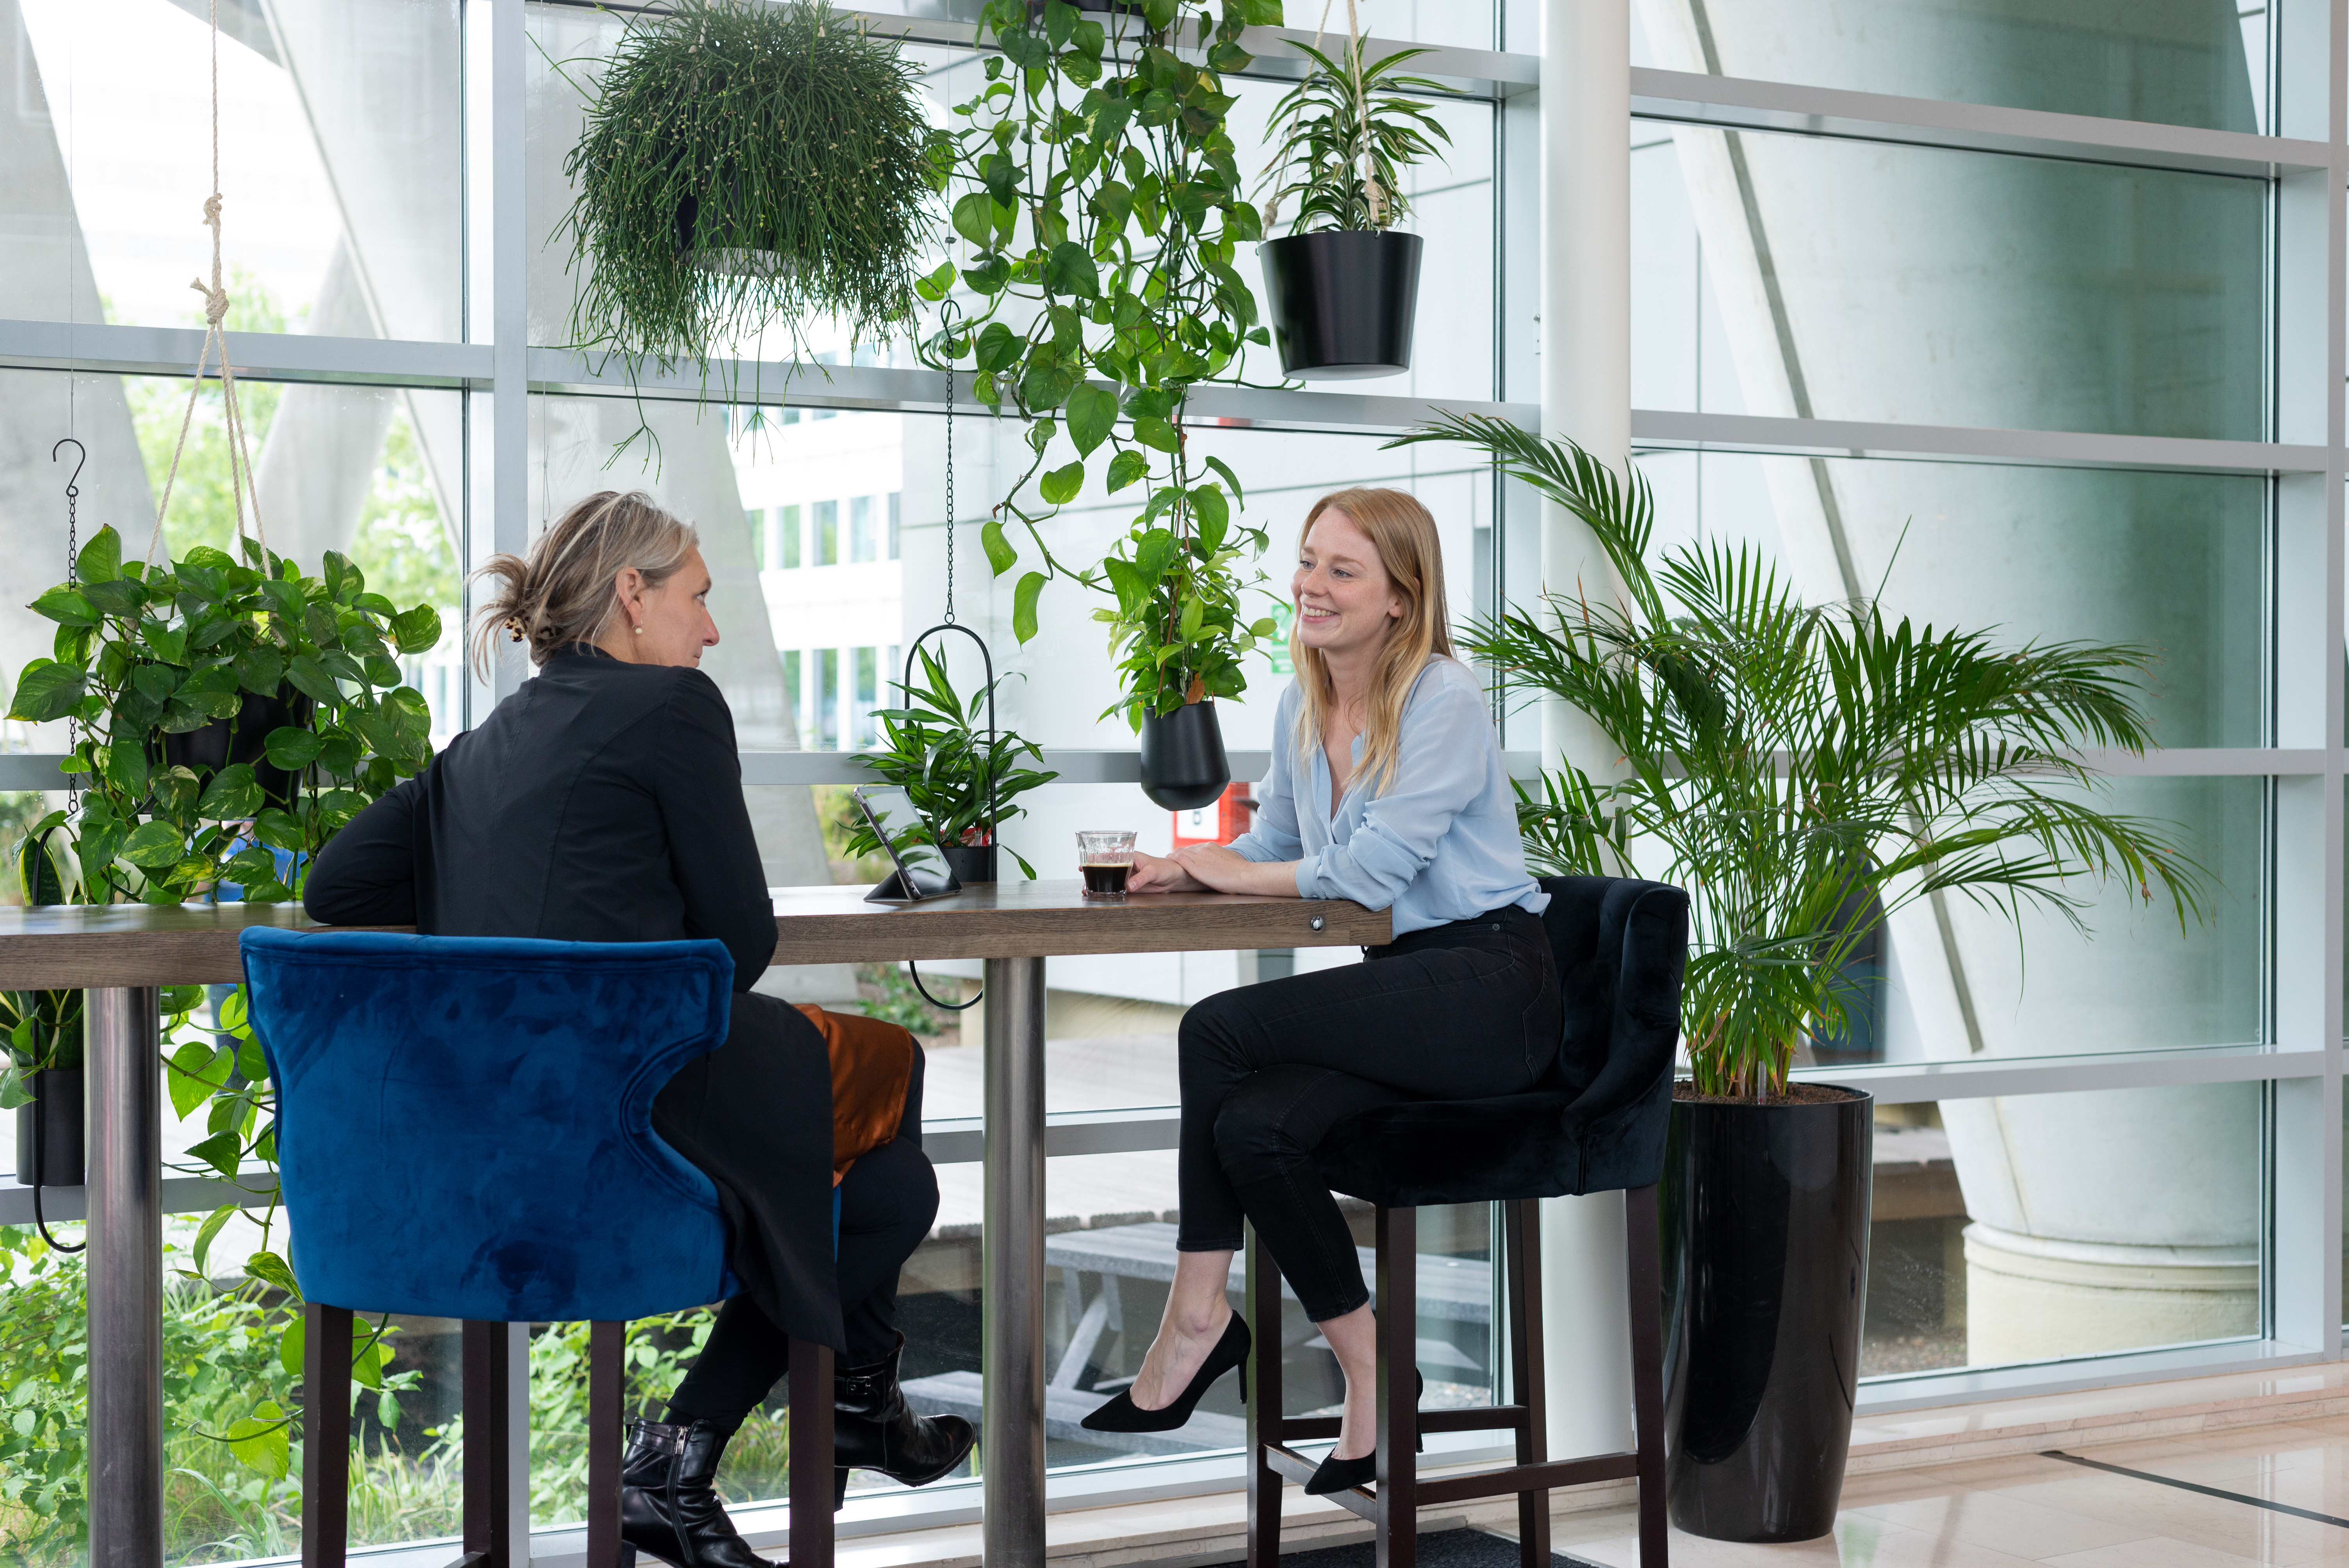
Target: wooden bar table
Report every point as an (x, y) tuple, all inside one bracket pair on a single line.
[(122, 954)]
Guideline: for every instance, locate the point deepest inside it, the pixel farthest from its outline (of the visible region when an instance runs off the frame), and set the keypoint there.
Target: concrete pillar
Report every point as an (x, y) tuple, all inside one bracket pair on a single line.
[(1586, 382)]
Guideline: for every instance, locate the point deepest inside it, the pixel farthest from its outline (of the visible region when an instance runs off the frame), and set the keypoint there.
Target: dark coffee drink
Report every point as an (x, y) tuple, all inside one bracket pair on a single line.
[(1105, 879)]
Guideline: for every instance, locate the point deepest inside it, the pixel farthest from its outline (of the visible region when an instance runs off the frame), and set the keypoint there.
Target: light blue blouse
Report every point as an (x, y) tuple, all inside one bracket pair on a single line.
[(1440, 844)]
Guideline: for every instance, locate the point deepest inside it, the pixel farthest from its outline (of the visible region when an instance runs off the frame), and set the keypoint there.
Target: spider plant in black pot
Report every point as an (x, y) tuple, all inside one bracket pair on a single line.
[(961, 779), (1342, 283), (1790, 764), (746, 166)]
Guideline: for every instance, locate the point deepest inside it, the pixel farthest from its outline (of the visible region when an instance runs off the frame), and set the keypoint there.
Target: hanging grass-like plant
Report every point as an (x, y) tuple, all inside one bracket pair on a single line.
[(746, 166)]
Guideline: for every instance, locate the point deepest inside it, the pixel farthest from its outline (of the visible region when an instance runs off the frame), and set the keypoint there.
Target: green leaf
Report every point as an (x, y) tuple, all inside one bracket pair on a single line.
[(234, 795), (1061, 485), (1044, 384), (292, 749), (12, 1089), (1212, 514), (250, 866), (114, 596), (220, 1151), (65, 606), (203, 1246), (1070, 270), (291, 1344), (1000, 556), (415, 630), (260, 669), (271, 1269), (260, 1441), (1156, 433), (100, 559), (1091, 412), (279, 832), (311, 679), (974, 218), (998, 348), (126, 769), (1126, 468), (46, 690), (192, 1079), (1224, 470), (1023, 607)]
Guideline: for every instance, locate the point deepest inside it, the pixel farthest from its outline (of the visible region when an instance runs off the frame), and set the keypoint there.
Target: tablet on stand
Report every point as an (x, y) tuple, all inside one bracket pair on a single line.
[(921, 871)]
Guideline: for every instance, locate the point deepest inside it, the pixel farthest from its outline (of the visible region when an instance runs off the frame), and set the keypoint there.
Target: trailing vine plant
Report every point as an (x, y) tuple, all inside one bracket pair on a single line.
[(1103, 207), (144, 656)]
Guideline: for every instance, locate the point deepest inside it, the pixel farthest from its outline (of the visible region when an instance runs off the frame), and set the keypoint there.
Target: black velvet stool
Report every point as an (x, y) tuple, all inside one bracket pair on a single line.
[(1596, 1126)]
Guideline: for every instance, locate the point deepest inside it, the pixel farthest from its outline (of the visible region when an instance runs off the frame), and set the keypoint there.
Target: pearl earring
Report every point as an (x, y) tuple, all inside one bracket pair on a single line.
[(640, 631)]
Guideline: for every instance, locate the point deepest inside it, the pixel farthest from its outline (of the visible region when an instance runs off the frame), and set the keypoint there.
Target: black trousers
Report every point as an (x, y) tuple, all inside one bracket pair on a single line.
[(1462, 1011), (887, 1202)]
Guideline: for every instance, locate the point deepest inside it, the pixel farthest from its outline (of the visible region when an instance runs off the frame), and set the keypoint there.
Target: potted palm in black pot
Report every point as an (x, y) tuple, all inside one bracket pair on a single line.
[(1343, 284), (1805, 772)]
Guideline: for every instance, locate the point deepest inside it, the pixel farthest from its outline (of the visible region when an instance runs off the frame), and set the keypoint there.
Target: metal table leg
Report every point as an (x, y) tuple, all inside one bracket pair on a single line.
[(1011, 1437), (126, 1280)]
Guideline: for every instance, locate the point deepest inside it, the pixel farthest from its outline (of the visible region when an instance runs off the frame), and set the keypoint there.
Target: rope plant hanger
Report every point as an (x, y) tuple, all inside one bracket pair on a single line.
[(241, 486)]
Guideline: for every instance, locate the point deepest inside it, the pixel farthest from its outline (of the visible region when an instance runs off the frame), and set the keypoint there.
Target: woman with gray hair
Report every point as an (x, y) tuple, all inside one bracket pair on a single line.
[(602, 802)]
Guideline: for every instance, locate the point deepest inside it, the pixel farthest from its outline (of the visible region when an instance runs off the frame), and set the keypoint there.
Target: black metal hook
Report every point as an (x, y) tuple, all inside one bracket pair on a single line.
[(72, 490), (994, 829)]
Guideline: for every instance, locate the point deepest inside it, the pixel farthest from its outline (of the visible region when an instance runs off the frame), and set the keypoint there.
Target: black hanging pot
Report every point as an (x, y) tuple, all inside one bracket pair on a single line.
[(1183, 764), (48, 1131), (225, 742), (1765, 1217), (1342, 302), (971, 862)]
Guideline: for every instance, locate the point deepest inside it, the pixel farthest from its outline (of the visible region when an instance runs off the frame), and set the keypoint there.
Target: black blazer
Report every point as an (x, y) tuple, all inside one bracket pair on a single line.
[(601, 802)]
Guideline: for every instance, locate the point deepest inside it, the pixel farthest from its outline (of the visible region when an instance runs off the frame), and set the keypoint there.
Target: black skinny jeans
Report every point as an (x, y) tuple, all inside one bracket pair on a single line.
[(887, 1200), (1462, 1011)]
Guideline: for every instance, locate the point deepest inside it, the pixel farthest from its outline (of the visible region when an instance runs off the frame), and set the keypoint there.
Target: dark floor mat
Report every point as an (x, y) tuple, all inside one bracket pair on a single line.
[(1438, 1549)]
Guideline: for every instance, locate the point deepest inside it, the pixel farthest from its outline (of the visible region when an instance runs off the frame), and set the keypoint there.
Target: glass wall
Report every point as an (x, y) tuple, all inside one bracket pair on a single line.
[(2123, 1189)]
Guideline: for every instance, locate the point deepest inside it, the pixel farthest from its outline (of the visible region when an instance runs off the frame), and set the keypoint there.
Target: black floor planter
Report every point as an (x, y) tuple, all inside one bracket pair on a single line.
[(1182, 763), (1765, 1215), (1342, 302), (54, 1119), (971, 862)]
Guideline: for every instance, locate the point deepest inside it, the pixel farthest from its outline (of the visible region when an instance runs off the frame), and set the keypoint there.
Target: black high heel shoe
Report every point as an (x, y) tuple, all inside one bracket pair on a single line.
[(1123, 1415), (1334, 1474)]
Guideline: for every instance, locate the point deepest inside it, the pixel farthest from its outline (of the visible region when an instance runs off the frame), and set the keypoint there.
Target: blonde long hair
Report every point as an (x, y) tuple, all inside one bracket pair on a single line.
[(563, 594), (1412, 554)]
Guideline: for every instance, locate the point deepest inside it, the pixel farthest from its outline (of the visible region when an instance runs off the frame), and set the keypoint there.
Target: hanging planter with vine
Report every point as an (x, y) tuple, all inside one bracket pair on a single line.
[(1101, 197), (746, 167)]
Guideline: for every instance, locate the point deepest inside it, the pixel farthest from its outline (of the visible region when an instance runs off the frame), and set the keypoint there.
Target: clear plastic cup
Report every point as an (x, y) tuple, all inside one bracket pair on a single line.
[(1105, 860)]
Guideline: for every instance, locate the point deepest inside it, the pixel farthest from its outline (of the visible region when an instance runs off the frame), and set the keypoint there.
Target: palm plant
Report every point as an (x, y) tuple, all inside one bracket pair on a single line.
[(961, 780), (1345, 134), (1790, 764)]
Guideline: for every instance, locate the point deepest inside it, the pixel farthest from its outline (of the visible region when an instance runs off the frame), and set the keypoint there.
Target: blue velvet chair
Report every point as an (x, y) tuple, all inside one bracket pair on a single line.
[(464, 1130), (1597, 1125)]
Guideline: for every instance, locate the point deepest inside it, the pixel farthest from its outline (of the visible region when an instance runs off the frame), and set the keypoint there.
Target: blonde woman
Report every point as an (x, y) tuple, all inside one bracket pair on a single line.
[(602, 802), (1387, 788)]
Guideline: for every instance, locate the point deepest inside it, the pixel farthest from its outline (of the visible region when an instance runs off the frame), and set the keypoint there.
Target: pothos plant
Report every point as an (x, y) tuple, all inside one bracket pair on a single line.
[(1103, 207), (146, 655), (931, 746)]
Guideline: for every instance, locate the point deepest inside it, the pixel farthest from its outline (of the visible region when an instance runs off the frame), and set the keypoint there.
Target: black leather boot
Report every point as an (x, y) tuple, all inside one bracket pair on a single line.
[(668, 1508), (873, 1428)]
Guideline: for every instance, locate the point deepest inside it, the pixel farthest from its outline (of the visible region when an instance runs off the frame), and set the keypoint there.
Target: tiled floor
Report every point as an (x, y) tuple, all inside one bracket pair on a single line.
[(2027, 1508)]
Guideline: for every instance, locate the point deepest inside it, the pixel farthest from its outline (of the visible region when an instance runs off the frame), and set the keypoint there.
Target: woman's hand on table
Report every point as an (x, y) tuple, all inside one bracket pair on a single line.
[(1220, 870), (1157, 873)]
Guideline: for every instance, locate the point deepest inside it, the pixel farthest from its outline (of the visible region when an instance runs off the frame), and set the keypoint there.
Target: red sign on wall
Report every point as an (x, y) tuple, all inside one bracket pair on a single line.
[(1218, 823)]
